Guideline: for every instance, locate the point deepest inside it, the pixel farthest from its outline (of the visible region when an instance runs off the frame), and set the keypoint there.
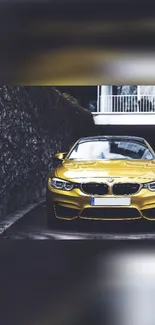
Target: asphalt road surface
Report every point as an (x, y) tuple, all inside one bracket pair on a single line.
[(33, 226)]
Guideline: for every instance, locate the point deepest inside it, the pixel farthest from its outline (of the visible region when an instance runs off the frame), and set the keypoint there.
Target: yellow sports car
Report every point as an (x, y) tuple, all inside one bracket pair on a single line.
[(103, 178)]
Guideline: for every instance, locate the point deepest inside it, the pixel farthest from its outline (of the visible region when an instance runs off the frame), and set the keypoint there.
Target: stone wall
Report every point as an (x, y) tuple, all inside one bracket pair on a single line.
[(36, 122)]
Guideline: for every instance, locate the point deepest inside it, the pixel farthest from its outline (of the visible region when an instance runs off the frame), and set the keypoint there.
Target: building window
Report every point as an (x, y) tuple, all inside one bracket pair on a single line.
[(126, 90), (114, 90)]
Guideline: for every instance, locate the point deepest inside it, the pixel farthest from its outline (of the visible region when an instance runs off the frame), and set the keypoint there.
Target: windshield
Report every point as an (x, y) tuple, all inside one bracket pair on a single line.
[(110, 149)]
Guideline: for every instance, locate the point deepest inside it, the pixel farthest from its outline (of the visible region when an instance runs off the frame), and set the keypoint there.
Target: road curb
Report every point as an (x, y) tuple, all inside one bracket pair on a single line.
[(11, 218)]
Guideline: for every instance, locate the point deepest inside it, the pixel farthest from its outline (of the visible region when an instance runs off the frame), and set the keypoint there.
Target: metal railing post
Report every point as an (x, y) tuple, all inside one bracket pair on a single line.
[(128, 104)]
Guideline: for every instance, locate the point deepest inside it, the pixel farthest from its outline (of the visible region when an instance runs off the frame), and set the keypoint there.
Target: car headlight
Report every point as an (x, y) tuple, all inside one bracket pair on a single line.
[(61, 184), (150, 186)]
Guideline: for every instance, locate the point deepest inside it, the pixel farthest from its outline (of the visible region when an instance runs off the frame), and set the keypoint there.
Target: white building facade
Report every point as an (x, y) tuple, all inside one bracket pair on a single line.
[(125, 105)]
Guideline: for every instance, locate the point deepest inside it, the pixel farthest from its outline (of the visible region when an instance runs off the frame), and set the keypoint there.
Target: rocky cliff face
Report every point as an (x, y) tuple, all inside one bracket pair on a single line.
[(36, 122)]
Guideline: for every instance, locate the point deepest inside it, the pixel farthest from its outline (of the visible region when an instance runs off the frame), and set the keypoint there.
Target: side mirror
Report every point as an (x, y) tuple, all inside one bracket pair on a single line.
[(60, 156)]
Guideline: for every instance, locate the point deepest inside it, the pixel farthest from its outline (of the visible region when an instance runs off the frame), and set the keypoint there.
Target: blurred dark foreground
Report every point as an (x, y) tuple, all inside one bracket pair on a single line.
[(66, 42), (67, 283)]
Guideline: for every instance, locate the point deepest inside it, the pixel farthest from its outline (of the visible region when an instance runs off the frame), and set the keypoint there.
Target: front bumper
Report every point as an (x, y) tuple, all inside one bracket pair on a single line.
[(69, 205)]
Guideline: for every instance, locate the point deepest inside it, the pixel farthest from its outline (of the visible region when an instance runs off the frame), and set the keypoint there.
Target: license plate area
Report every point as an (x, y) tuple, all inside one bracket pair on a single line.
[(109, 201)]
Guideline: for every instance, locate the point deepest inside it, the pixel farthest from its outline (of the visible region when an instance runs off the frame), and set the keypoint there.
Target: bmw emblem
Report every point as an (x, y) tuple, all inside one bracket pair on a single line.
[(110, 180)]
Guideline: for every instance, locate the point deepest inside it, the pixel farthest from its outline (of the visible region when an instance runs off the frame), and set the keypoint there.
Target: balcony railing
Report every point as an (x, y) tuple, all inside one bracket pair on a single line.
[(126, 104)]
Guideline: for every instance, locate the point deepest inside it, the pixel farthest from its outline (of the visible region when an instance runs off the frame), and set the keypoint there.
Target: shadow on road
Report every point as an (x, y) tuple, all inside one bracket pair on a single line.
[(104, 227), (34, 226)]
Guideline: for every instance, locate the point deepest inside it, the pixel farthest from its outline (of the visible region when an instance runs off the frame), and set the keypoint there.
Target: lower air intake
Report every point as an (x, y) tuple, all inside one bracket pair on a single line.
[(149, 213), (63, 212), (110, 213)]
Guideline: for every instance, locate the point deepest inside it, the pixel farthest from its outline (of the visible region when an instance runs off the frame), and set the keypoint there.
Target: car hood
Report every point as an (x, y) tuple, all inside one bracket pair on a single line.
[(79, 170)]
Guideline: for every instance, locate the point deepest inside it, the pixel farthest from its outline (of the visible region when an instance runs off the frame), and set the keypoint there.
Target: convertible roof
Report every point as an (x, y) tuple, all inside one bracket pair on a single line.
[(113, 137)]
